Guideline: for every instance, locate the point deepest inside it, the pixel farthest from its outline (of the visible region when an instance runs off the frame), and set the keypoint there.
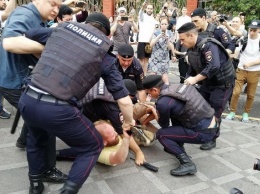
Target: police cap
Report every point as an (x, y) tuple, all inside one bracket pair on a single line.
[(126, 51), (130, 86), (186, 27), (254, 24), (151, 81), (100, 19), (198, 12)]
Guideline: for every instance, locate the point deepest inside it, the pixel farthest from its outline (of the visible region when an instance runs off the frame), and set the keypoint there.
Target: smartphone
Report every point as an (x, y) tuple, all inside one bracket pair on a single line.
[(80, 4), (124, 18)]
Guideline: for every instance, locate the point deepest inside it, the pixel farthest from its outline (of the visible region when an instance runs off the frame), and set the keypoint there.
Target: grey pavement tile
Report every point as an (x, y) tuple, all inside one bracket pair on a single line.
[(212, 168), (228, 165), (244, 184), (238, 159)]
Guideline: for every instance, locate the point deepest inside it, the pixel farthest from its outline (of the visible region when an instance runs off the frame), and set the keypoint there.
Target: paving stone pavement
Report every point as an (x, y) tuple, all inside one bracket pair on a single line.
[(229, 165)]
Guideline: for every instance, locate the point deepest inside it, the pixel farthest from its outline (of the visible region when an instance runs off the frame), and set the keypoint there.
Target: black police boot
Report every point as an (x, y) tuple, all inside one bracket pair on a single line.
[(69, 188), (186, 166), (209, 145), (54, 175), (20, 143), (36, 185)]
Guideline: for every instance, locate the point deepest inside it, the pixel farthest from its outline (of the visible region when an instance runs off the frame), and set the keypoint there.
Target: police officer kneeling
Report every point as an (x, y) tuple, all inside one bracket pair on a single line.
[(191, 116), (75, 57)]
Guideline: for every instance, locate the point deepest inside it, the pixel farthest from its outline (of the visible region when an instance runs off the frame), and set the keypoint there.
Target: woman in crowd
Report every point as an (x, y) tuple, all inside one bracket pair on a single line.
[(162, 42)]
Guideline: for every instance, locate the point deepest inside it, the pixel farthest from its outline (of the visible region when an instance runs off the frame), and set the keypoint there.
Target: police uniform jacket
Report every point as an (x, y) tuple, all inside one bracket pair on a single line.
[(134, 72)]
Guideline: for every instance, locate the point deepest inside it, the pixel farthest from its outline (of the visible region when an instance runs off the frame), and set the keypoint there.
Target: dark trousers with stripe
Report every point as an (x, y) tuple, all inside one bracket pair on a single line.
[(65, 121), (217, 97), (172, 137)]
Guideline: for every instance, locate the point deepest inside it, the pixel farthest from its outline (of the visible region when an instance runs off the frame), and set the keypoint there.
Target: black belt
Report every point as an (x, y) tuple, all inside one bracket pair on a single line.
[(44, 97), (209, 130)]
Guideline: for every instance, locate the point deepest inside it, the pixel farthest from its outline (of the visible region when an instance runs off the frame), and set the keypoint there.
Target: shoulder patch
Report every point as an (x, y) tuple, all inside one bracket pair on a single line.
[(225, 37), (208, 55), (142, 76)]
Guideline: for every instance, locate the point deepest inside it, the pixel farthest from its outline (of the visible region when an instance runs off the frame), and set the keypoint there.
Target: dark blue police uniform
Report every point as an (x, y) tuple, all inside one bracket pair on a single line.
[(54, 108), (223, 37), (99, 109), (77, 131), (134, 72), (172, 137), (191, 117), (212, 59)]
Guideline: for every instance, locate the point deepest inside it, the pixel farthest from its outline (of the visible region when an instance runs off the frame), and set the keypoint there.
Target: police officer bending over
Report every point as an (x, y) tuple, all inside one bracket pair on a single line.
[(100, 104), (75, 57), (130, 68), (210, 66), (191, 116)]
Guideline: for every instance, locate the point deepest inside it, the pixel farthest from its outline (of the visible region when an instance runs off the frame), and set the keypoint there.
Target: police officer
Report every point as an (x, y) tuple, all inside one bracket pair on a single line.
[(210, 66), (74, 58), (193, 119), (206, 29), (130, 68), (100, 104)]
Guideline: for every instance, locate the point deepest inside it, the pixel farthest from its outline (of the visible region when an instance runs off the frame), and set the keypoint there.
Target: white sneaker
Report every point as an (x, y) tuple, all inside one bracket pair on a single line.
[(6, 111), (230, 116)]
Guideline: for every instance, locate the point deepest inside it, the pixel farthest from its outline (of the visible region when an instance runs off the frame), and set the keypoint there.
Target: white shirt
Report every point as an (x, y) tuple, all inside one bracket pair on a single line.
[(2, 23), (251, 53), (146, 27), (182, 20)]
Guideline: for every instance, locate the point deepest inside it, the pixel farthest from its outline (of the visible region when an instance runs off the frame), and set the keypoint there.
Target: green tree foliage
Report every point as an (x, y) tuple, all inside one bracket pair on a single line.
[(233, 7)]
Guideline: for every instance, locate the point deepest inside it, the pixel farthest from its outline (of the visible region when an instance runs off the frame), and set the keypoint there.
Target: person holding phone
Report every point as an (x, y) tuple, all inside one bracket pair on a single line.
[(120, 30), (161, 42)]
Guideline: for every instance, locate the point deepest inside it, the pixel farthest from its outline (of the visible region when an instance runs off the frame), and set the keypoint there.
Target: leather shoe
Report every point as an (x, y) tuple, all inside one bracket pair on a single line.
[(54, 175), (20, 144), (209, 145)]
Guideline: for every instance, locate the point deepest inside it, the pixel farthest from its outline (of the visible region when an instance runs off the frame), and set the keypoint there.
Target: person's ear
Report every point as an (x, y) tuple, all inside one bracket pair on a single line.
[(105, 143)]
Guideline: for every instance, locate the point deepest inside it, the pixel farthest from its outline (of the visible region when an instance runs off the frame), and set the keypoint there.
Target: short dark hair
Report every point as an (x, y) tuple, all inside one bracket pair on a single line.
[(64, 10), (98, 26)]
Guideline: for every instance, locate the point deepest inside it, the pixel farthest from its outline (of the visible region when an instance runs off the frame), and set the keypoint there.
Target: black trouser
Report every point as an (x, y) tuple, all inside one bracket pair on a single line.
[(183, 68), (13, 96)]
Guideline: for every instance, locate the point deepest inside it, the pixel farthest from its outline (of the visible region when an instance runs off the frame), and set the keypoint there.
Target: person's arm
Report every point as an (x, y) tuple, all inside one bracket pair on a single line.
[(69, 2), (251, 63), (9, 8), (142, 95), (134, 26), (225, 39), (121, 154), (82, 16), (23, 45), (155, 39), (163, 109), (141, 12), (232, 30), (211, 55), (114, 26), (139, 155), (115, 85), (126, 107)]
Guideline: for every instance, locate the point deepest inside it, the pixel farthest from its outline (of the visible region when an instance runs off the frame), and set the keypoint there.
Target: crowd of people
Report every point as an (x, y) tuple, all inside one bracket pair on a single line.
[(89, 89)]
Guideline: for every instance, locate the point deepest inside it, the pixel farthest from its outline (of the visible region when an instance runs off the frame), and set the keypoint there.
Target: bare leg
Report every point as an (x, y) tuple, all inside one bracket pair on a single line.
[(165, 78)]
